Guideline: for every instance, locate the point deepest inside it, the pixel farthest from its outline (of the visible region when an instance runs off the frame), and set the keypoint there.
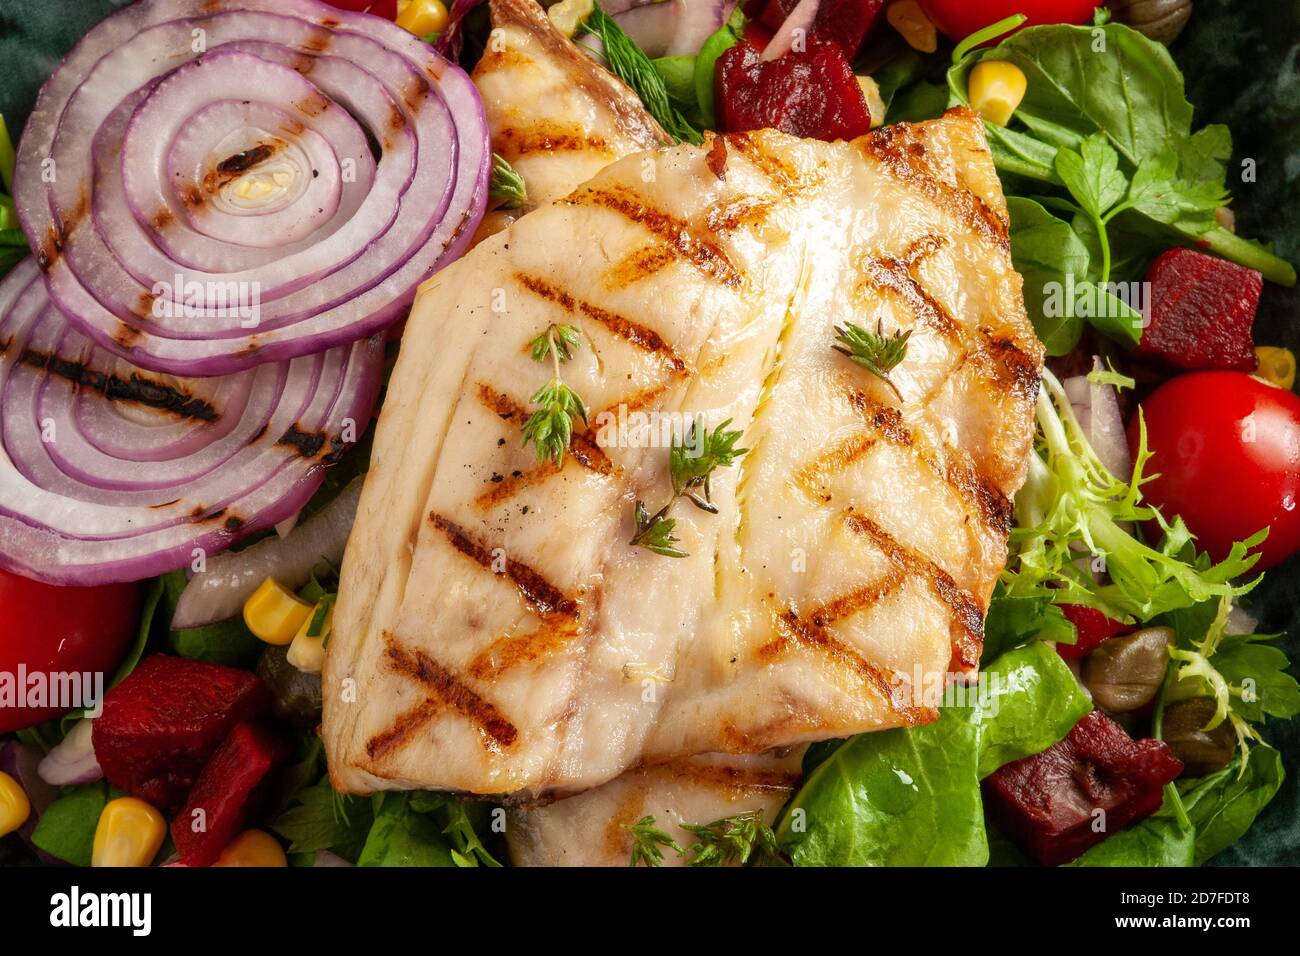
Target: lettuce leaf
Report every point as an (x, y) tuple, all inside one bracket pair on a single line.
[(910, 796)]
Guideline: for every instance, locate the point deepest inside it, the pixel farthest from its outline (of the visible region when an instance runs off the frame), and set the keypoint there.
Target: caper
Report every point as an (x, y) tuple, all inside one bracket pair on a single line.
[(1124, 673), (295, 696), (1201, 751), (1161, 20)]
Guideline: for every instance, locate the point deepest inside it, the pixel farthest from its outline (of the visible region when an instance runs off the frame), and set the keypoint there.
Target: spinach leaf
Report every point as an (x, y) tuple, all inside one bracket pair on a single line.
[(1013, 621), (1262, 673), (402, 837), (1223, 805), (1049, 255), (1156, 841), (66, 829), (1032, 701), (461, 822), (910, 796)]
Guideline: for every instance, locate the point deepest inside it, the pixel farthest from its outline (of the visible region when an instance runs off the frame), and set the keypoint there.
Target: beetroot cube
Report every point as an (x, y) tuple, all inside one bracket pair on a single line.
[(1047, 803), (225, 796), (813, 93), (162, 723), (1202, 310)]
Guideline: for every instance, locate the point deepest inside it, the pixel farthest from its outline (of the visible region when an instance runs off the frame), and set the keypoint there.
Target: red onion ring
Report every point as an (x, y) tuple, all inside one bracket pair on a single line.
[(199, 179), (109, 472), (800, 18)]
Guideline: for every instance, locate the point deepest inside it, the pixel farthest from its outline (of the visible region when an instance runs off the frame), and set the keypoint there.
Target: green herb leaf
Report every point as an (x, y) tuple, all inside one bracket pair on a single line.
[(876, 352), (550, 427), (655, 532), (743, 838), (402, 837), (693, 460), (461, 820), (646, 842), (630, 64), (1092, 175), (507, 186), (560, 340), (322, 819)]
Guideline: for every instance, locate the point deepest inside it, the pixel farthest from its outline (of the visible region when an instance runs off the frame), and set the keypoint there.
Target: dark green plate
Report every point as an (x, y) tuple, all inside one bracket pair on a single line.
[(1242, 62)]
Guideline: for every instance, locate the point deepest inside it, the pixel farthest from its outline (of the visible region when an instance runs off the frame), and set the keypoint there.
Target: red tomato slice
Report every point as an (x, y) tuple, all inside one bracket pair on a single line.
[(1092, 626), (56, 630), (1226, 448), (958, 19)]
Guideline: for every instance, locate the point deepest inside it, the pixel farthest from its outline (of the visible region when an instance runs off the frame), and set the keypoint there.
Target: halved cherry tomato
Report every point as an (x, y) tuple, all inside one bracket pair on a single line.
[(1092, 626), (58, 630), (1226, 448), (958, 19)]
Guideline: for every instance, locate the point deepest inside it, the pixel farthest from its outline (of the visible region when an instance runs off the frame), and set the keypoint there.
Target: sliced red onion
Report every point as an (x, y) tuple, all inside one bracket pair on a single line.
[(22, 762), (1241, 621), (73, 760), (211, 185), (1096, 406), (800, 19), (112, 473), (220, 591)]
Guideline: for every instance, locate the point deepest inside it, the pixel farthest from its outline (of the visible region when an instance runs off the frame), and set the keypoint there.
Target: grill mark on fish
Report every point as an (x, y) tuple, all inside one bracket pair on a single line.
[(515, 141), (509, 651), (779, 174), (738, 779), (727, 217), (817, 474), (1020, 371), (137, 389), (542, 597), (900, 153), (793, 630), (967, 612), (889, 275), (639, 335), (444, 692), (676, 234)]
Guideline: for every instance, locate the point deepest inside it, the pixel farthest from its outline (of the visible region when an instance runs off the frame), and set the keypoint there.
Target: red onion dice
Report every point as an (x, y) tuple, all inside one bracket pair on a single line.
[(112, 473), (214, 184)]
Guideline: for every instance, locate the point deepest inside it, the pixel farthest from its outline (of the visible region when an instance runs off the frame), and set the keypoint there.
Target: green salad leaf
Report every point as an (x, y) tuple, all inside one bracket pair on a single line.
[(726, 36), (228, 642), (324, 820), (910, 796), (400, 836), (1223, 805), (66, 829)]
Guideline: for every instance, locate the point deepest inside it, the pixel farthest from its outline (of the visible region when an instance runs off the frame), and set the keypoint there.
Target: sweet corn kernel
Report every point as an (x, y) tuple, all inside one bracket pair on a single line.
[(875, 103), (15, 808), (423, 17), (253, 848), (307, 653), (274, 613), (1276, 365), (996, 89), (913, 25), (130, 833), (567, 14)]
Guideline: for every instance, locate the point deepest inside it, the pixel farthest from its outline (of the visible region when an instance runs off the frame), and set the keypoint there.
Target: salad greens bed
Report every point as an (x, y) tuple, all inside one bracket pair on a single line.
[(1098, 183)]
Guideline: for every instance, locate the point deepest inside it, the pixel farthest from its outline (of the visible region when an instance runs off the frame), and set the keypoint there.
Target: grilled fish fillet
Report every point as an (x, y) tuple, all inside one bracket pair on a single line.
[(560, 118), (553, 113), (590, 829), (496, 634)]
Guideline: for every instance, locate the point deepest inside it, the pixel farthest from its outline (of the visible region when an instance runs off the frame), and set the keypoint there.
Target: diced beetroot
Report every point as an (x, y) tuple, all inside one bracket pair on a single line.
[(1092, 626), (162, 723), (844, 22), (813, 93), (1047, 803), (1202, 308), (226, 794)]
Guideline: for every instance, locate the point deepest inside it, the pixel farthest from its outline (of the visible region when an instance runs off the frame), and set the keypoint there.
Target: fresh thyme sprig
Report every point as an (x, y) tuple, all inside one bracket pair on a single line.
[(691, 464), (876, 352), (507, 186), (550, 427), (736, 839), (646, 842)]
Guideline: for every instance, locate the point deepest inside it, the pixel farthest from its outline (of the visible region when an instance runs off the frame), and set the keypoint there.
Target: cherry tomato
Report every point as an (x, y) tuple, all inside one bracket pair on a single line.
[(49, 629), (958, 19), (1092, 626), (1226, 447)]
